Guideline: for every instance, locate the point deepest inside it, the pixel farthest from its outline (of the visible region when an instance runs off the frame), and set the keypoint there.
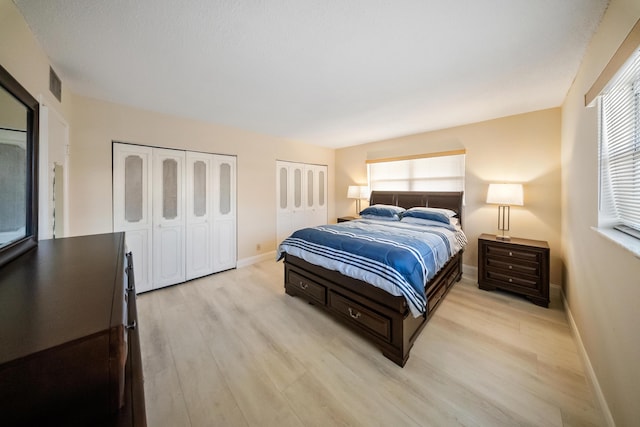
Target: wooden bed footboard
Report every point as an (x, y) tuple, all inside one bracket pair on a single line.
[(383, 318)]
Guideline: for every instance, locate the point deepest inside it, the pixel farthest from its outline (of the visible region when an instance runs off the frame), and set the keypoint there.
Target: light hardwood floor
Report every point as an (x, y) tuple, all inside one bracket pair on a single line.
[(233, 350)]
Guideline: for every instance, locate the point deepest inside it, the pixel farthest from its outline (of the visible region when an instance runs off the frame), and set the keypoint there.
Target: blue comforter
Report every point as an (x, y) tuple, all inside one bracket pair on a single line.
[(395, 256)]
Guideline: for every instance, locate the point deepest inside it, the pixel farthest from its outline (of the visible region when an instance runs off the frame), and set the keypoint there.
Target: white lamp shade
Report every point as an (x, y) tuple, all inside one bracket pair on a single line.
[(364, 192), (505, 194), (353, 192), (358, 192)]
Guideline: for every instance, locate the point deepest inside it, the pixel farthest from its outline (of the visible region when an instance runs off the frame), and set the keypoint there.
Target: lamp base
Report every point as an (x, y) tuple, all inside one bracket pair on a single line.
[(505, 238)]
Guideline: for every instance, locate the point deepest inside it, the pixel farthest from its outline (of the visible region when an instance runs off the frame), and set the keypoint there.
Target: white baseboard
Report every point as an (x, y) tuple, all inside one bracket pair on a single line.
[(591, 374), (245, 262)]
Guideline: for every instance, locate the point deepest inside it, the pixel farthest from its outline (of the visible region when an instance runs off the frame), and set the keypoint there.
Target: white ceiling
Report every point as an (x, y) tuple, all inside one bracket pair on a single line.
[(326, 72)]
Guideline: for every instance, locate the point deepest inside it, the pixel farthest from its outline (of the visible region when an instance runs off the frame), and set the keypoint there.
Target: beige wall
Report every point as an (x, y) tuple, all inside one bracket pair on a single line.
[(98, 123), (602, 281), (22, 57), (523, 148), (13, 115)]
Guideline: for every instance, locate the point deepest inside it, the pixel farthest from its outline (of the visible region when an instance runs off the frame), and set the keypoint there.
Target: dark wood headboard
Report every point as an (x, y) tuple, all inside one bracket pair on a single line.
[(409, 199)]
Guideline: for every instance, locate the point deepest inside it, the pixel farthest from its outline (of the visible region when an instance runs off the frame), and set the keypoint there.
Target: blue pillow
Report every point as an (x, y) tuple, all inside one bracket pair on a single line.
[(427, 213), (387, 211), (421, 221)]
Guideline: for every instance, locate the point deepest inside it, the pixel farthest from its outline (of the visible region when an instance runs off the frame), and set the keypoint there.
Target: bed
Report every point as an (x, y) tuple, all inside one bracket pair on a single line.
[(389, 321)]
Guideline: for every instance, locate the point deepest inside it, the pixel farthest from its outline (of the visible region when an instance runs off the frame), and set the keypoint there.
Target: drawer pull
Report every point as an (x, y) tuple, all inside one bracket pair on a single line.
[(303, 285), (131, 325), (510, 280), (130, 289), (510, 267), (510, 253), (354, 315)]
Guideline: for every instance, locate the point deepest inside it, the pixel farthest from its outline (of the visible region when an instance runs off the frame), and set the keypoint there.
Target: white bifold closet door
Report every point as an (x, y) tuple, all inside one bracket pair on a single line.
[(178, 209), (316, 195), (224, 213), (199, 215), (301, 197), (290, 193), (132, 206), (169, 238)]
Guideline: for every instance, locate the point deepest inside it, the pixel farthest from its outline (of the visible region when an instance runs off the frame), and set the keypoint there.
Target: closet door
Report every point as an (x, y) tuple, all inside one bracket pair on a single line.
[(311, 196), (284, 201), (323, 181), (132, 189), (224, 212), (316, 195), (199, 244), (168, 217), (319, 211), (299, 219)]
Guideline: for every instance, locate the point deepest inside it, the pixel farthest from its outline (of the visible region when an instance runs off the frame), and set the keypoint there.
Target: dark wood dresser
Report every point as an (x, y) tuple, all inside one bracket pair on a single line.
[(516, 265), (69, 343)]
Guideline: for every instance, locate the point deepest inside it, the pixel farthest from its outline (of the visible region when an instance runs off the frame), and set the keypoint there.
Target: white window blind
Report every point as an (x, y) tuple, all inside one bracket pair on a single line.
[(429, 173), (620, 147)]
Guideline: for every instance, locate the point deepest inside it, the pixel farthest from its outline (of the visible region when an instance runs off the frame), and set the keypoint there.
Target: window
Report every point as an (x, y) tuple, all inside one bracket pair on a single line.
[(619, 156), (429, 172)]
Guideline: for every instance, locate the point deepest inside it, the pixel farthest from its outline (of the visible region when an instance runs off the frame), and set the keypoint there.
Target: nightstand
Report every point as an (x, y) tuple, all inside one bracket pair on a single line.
[(347, 218), (516, 265)]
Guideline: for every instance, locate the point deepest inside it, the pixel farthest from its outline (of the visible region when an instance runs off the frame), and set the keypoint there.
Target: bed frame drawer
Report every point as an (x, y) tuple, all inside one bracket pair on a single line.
[(363, 317), (307, 287)]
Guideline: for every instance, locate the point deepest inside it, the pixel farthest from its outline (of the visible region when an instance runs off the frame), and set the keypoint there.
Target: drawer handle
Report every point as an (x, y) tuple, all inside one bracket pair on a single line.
[(510, 280), (303, 285), (131, 325), (510, 267), (354, 315), (510, 253), (131, 289)]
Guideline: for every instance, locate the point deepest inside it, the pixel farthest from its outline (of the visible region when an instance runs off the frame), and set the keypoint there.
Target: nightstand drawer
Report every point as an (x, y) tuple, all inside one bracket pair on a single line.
[(493, 251), (511, 280), (307, 287), (360, 315), (513, 266)]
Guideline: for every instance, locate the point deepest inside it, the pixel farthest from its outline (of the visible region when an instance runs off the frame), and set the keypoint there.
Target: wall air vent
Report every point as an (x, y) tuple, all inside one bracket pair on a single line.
[(55, 85)]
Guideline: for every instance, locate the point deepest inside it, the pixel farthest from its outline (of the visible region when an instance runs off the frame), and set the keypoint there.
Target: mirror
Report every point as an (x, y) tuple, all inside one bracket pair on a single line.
[(18, 169)]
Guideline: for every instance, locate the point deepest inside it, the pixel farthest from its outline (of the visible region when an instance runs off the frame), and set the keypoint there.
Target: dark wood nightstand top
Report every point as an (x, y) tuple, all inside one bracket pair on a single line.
[(515, 241), (347, 218)]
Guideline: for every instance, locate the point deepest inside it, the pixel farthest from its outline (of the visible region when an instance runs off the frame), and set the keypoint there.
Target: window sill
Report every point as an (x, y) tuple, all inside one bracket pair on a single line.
[(623, 240)]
